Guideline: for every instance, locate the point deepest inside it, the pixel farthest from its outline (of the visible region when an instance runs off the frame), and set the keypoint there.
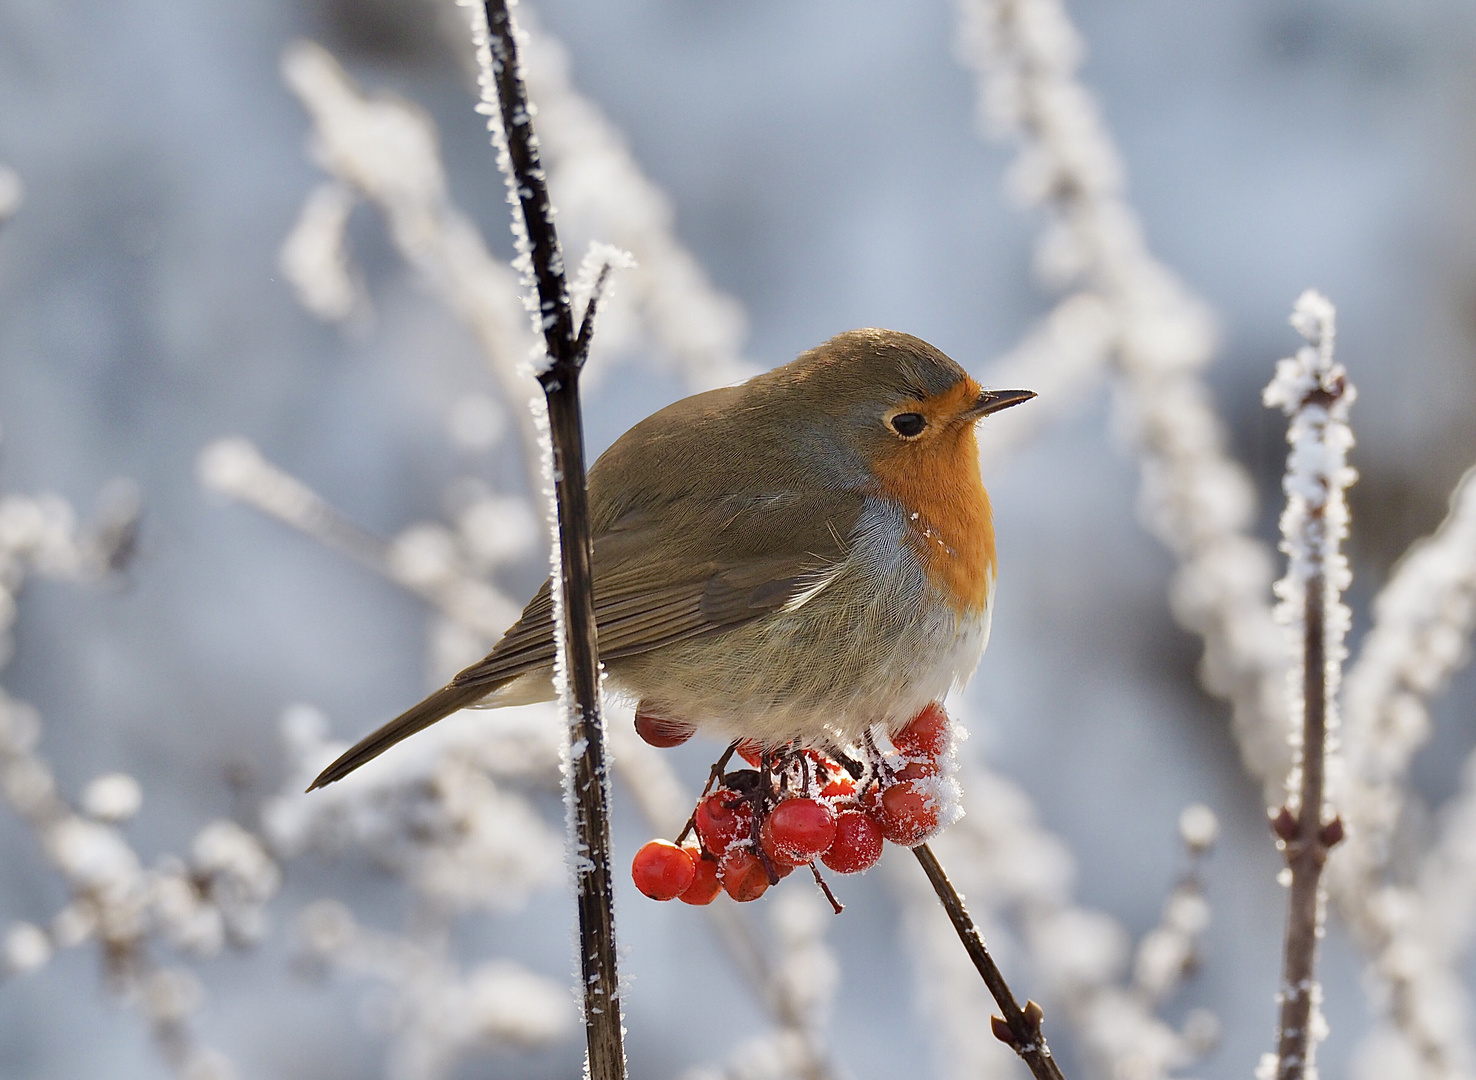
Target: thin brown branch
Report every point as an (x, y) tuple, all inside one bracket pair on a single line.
[(560, 382), (1306, 847), (1020, 1028)]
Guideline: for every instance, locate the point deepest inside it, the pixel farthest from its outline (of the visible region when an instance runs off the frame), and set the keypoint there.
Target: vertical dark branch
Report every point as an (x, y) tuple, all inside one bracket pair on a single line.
[(1020, 1028), (560, 381), (1306, 850)]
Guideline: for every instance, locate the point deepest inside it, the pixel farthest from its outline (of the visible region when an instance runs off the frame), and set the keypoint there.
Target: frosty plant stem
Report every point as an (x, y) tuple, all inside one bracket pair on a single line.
[(1315, 393), (1019, 1029), (566, 348)]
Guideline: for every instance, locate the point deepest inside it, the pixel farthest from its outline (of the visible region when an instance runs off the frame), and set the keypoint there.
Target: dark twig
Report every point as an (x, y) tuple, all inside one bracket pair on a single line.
[(560, 382), (1020, 1028)]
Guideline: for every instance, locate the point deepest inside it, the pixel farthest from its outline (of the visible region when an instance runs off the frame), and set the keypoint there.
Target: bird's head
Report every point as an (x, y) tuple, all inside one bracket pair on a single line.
[(890, 401)]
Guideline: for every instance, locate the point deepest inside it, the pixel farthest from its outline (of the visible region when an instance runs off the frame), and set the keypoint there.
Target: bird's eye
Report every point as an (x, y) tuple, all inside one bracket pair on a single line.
[(909, 424)]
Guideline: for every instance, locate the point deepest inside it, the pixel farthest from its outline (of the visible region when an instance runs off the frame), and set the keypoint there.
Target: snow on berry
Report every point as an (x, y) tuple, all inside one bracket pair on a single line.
[(928, 734), (723, 817), (903, 811), (857, 844)]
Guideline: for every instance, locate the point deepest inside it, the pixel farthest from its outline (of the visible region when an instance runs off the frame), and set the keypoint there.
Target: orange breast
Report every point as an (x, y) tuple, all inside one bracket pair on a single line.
[(937, 479)]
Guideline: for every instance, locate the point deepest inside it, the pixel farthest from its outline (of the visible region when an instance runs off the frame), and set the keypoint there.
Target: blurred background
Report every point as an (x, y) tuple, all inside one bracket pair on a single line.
[(824, 164)]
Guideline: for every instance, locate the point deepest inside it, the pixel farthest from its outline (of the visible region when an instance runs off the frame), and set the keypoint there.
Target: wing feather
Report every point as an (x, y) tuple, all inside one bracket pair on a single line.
[(652, 588)]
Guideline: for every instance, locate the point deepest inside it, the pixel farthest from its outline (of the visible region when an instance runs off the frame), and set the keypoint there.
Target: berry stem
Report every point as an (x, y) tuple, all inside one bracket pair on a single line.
[(1026, 1038), (825, 888)]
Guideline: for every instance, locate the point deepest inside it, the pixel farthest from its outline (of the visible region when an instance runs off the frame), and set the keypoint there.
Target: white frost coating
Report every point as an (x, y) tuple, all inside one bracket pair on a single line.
[(112, 898), (490, 107), (1415, 932), (114, 797), (1198, 827), (602, 191), (385, 149), (1313, 390), (315, 257), (24, 949)]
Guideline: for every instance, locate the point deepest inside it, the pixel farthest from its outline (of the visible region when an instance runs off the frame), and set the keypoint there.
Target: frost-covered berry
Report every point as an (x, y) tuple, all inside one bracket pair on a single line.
[(705, 884), (800, 829), (723, 817), (743, 875), (857, 844), (926, 734), (904, 812), (662, 870)]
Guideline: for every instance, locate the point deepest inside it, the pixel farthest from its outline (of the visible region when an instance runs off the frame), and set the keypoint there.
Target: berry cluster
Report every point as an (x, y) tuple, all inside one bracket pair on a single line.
[(798, 804)]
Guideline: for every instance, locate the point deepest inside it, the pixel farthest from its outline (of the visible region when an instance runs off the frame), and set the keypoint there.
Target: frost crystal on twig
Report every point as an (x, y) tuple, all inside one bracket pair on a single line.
[(1313, 390)]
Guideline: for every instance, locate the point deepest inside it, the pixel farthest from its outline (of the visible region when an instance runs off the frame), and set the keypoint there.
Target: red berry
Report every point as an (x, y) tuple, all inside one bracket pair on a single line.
[(743, 875), (904, 813), (662, 870), (705, 884), (661, 732), (926, 734), (751, 751), (858, 843), (722, 817), (782, 862), (801, 828)]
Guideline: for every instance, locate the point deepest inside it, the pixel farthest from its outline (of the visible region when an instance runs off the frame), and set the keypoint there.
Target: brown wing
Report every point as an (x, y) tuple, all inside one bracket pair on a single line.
[(661, 577)]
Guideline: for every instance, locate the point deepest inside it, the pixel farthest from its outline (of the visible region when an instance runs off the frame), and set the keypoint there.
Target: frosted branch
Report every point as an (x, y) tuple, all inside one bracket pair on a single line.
[(1313, 390), (1416, 934), (385, 150), (1196, 500), (576, 666), (1014, 870), (438, 1012), (428, 560)]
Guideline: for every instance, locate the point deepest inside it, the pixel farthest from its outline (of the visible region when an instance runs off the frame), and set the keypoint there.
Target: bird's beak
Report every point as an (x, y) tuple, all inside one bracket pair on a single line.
[(992, 401)]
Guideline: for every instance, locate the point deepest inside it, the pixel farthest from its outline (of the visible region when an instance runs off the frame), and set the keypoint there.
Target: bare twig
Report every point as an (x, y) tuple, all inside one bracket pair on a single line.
[(579, 656), (1315, 393), (1020, 1028)]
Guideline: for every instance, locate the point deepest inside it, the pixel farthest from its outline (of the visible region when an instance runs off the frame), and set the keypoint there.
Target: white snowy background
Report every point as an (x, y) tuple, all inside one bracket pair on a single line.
[(824, 164)]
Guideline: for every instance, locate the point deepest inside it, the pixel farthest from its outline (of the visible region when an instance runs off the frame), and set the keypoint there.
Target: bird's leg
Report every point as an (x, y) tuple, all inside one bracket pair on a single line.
[(850, 764), (874, 759), (761, 798), (805, 774)]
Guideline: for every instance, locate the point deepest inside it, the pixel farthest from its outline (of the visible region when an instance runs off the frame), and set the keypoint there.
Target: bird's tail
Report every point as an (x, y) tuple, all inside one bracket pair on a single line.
[(443, 702)]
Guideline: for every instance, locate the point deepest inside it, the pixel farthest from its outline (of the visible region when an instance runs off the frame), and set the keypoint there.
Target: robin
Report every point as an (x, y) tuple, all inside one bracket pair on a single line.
[(796, 558)]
